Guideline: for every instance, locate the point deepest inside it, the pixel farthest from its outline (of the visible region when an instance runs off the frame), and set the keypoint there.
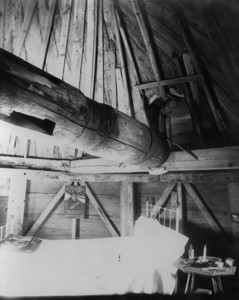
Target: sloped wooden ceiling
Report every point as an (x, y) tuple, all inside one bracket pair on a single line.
[(110, 49)]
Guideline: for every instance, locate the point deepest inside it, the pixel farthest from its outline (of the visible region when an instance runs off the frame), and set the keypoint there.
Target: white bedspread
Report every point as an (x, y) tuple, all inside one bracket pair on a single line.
[(90, 267)]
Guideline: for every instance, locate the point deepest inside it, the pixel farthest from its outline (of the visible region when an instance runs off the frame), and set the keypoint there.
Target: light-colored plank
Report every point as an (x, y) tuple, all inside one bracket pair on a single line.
[(91, 19), (100, 210), (16, 205), (46, 33), (127, 208), (46, 212), (66, 13), (162, 202), (126, 101), (122, 97), (109, 70), (99, 85), (2, 17), (204, 209), (7, 40), (24, 29), (55, 176), (78, 40)]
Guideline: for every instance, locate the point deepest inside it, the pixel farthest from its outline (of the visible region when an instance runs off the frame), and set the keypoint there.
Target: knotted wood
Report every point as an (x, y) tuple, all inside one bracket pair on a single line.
[(95, 128)]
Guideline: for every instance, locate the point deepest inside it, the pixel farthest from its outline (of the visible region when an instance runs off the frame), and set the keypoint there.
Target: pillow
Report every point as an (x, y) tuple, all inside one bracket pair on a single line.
[(151, 231)]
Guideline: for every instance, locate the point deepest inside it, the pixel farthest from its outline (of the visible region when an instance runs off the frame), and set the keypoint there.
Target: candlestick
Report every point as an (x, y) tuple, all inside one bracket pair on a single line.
[(205, 253)]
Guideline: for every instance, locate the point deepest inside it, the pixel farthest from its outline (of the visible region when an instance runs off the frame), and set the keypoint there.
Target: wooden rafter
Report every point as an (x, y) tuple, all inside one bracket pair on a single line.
[(139, 110), (100, 210), (46, 34), (46, 212), (24, 29), (163, 200), (205, 210), (66, 9), (92, 25), (195, 117), (190, 43), (149, 47)]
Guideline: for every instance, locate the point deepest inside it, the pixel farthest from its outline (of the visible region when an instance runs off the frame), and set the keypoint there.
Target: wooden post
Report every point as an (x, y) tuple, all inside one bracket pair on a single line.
[(127, 208), (182, 218), (75, 223), (16, 205), (75, 228), (233, 193)]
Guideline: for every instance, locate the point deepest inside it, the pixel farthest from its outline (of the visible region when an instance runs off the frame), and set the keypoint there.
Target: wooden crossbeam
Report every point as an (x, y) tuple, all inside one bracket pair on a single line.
[(173, 81), (226, 158), (25, 26), (50, 207), (163, 200), (100, 210), (126, 208), (205, 210)]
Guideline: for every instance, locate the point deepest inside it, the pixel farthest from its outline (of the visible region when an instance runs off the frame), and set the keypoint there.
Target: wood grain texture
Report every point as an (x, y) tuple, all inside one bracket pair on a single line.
[(46, 212), (98, 207), (127, 213), (16, 204)]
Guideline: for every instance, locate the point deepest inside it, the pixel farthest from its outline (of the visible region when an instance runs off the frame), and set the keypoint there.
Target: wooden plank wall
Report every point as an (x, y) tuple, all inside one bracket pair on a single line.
[(40, 192)]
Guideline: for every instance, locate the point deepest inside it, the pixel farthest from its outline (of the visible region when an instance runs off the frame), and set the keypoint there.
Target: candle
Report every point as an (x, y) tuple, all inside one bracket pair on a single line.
[(205, 253)]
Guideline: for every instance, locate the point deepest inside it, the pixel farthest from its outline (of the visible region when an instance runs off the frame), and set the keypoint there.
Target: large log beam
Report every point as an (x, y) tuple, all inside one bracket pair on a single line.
[(90, 126)]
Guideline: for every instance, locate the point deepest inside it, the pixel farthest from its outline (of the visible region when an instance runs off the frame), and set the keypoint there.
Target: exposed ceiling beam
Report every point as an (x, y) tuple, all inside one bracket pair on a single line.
[(226, 158), (173, 81), (220, 177)]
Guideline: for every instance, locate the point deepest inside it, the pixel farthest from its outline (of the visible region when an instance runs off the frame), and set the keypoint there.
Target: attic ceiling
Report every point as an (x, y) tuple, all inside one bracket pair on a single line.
[(129, 55)]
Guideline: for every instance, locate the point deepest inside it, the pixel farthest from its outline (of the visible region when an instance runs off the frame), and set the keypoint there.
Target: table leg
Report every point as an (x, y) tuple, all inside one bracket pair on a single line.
[(219, 283), (214, 284), (192, 283), (187, 284)]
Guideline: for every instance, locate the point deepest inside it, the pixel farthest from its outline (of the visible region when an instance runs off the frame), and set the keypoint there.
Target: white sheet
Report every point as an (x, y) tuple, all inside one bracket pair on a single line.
[(89, 267)]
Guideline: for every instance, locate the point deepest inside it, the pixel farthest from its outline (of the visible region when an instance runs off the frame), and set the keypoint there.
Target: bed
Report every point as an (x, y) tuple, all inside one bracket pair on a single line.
[(141, 263)]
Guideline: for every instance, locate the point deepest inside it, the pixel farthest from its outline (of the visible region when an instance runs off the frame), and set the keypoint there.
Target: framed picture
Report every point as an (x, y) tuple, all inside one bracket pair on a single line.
[(74, 201)]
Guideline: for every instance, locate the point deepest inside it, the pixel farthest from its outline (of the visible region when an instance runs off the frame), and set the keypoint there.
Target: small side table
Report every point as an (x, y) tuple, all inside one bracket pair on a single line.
[(214, 273)]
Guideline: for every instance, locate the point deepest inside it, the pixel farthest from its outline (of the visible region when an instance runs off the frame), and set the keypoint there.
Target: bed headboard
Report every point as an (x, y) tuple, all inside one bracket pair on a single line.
[(3, 232), (168, 217)]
